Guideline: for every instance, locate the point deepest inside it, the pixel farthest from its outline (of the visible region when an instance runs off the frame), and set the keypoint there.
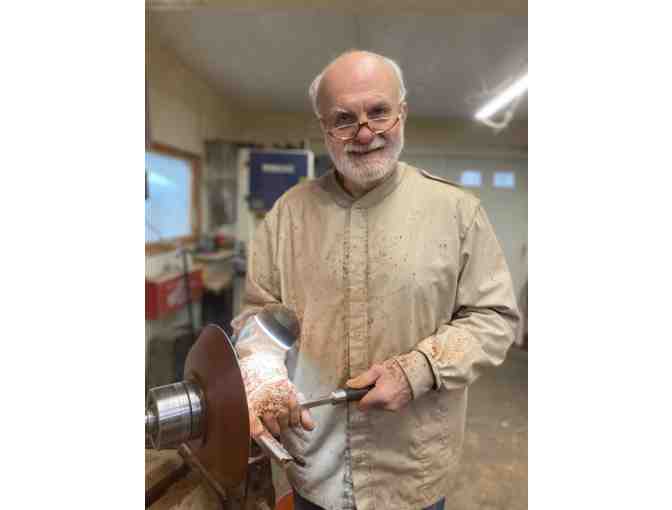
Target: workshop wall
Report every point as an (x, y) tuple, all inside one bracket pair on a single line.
[(184, 109)]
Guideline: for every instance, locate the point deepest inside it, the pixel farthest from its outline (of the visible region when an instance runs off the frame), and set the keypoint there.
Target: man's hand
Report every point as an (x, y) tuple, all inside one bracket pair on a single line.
[(277, 404), (281, 410), (392, 391)]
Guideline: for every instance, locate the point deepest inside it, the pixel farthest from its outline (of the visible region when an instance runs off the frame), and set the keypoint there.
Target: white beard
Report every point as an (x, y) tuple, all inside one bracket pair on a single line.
[(364, 170)]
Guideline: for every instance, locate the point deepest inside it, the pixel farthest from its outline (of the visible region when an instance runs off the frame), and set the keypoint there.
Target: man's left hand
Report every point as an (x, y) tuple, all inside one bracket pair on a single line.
[(392, 391)]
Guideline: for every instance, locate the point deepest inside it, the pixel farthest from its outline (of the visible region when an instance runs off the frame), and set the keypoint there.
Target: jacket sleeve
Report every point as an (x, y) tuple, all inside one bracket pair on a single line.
[(261, 284), (484, 319)]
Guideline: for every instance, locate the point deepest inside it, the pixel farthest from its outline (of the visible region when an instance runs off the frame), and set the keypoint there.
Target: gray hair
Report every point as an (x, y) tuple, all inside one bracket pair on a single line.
[(315, 85)]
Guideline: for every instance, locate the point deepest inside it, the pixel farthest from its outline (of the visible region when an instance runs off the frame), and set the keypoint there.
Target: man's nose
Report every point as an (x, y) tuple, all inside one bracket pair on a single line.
[(365, 135)]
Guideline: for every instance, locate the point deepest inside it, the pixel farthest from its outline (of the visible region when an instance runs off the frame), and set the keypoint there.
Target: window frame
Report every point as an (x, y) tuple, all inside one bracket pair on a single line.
[(194, 161)]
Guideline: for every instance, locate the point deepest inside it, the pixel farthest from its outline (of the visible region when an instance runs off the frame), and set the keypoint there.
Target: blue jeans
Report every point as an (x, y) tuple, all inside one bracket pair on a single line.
[(302, 504)]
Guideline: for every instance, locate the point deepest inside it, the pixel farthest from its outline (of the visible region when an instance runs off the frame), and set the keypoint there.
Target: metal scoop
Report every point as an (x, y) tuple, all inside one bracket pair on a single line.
[(280, 324)]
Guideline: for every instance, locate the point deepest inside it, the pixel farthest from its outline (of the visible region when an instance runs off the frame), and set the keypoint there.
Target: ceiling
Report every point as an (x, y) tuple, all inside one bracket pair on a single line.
[(264, 59)]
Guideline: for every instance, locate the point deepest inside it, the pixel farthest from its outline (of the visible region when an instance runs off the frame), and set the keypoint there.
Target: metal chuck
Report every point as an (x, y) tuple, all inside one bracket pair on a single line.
[(174, 414)]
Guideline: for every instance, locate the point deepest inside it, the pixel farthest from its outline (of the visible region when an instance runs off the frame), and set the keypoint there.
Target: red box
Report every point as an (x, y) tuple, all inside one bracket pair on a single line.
[(167, 294)]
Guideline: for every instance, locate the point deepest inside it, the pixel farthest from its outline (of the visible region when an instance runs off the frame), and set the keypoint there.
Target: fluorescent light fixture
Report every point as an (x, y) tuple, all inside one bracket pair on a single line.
[(503, 99)]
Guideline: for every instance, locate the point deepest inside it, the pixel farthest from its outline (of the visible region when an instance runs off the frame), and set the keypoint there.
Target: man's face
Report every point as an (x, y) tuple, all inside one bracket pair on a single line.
[(356, 92)]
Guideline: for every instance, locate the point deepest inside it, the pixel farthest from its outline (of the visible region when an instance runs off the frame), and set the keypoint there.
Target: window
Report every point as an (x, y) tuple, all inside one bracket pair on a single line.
[(505, 180), (471, 179), (171, 197)]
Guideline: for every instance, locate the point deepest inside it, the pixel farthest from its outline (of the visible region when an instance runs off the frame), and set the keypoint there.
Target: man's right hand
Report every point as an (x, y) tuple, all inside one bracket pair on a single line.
[(277, 404)]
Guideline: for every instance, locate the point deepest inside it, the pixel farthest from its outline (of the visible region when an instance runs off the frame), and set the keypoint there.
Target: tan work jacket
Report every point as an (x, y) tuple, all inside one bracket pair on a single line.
[(412, 265)]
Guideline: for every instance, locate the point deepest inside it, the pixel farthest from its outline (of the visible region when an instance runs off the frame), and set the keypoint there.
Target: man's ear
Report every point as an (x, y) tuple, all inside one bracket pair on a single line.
[(404, 110)]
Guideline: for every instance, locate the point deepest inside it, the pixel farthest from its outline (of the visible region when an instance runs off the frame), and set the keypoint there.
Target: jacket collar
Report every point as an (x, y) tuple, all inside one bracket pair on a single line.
[(330, 184)]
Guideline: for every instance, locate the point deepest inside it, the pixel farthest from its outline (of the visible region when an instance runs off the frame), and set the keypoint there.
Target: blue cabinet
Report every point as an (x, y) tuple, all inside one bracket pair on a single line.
[(272, 172)]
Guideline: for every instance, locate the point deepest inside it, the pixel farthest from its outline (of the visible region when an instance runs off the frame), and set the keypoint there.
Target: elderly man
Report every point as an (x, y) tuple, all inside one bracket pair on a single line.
[(398, 281)]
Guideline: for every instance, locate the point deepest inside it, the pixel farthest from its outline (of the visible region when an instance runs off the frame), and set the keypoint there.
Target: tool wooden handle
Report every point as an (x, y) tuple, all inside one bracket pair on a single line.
[(357, 394)]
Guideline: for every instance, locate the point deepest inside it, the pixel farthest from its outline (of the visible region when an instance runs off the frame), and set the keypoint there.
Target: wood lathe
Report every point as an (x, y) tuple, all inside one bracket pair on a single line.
[(205, 417)]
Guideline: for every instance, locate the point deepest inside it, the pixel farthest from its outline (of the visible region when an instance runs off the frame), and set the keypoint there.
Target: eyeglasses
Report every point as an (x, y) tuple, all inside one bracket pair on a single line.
[(345, 130)]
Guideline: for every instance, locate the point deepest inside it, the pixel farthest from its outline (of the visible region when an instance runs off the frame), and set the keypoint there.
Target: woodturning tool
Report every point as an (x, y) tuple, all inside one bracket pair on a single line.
[(339, 396)]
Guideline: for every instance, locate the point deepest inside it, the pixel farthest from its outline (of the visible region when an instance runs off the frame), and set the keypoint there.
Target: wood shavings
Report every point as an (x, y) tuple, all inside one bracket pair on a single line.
[(266, 384)]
